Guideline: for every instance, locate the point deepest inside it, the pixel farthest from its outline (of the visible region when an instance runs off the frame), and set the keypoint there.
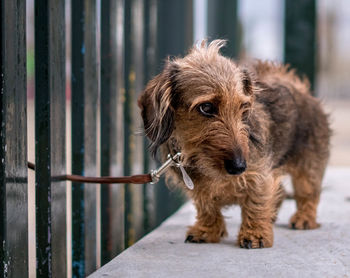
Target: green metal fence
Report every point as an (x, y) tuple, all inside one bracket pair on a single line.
[(115, 48)]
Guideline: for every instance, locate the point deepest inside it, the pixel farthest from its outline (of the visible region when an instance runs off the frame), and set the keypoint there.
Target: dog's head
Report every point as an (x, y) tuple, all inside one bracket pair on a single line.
[(203, 101)]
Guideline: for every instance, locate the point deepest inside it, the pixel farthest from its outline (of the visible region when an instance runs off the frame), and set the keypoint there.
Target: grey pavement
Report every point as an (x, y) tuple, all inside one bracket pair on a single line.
[(324, 252)]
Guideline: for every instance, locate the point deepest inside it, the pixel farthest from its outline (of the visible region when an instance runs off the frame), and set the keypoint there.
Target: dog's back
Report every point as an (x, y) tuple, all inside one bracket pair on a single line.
[(298, 123)]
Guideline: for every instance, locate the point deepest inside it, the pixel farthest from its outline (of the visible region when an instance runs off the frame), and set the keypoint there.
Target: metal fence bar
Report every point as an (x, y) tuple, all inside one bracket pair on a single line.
[(300, 36), (149, 70), (146, 77), (174, 37), (106, 64), (42, 141), (13, 148), (133, 143), (223, 24), (50, 137), (90, 128), (127, 108), (175, 28), (112, 196), (57, 124), (77, 108), (84, 140)]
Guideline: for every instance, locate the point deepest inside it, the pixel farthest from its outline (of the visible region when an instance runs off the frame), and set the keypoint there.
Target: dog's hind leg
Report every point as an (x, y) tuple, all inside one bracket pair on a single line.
[(307, 179), (307, 189)]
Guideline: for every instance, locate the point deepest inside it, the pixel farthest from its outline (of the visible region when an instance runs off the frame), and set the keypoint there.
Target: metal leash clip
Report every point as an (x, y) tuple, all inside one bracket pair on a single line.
[(172, 161)]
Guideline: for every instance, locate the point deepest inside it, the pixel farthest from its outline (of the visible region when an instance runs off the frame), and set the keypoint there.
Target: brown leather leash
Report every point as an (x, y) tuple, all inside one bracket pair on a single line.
[(153, 177), (136, 179)]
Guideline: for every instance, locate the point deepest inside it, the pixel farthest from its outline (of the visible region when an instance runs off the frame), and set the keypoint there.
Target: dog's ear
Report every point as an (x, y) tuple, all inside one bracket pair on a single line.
[(247, 82), (155, 103)]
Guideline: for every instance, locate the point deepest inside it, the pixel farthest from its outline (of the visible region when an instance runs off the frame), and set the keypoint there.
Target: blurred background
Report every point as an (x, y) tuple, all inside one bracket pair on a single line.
[(255, 29)]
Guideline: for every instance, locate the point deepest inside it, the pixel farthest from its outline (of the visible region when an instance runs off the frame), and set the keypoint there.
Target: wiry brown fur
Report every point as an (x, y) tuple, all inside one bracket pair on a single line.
[(264, 115)]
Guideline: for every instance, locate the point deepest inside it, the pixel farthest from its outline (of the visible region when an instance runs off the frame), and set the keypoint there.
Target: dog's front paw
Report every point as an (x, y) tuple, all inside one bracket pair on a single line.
[(301, 221), (254, 239), (197, 234)]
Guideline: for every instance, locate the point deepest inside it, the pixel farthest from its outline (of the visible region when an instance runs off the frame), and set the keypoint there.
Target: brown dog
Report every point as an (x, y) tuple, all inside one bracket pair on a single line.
[(239, 129)]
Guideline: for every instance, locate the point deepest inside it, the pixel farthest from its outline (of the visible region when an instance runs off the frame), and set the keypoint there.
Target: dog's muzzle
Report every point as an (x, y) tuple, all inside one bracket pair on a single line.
[(236, 166)]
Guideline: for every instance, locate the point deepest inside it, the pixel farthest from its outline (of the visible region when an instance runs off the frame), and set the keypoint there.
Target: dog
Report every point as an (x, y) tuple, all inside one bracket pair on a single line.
[(240, 128)]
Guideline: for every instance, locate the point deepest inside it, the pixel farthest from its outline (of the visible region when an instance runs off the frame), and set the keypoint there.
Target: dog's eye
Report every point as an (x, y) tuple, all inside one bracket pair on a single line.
[(207, 109)]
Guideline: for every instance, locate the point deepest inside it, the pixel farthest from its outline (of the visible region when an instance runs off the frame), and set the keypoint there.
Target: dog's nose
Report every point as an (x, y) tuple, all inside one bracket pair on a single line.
[(236, 166)]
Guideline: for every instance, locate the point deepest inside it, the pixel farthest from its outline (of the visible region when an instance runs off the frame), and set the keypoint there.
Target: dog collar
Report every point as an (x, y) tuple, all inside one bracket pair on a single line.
[(173, 161)]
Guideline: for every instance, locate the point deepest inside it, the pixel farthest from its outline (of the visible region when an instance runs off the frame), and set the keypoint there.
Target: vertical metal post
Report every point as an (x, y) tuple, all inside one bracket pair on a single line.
[(105, 126), (146, 43), (149, 70), (50, 137), (57, 122), (13, 141), (78, 99), (175, 28), (84, 142), (128, 83), (112, 196), (149, 39), (223, 24), (106, 64), (42, 141), (300, 37), (174, 37), (90, 127), (133, 144)]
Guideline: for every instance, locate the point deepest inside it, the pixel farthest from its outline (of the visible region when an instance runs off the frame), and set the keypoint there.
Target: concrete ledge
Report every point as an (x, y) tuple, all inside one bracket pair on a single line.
[(324, 252)]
